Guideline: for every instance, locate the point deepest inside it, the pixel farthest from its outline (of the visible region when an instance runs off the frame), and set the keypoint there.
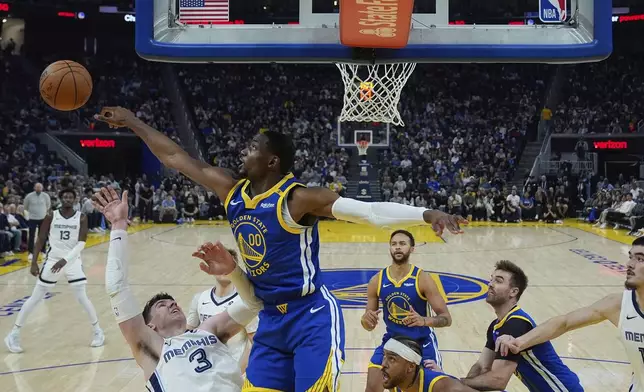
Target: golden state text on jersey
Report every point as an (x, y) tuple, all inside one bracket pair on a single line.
[(281, 256)]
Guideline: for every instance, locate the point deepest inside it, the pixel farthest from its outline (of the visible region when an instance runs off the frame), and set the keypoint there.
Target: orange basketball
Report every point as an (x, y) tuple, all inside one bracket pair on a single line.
[(65, 85)]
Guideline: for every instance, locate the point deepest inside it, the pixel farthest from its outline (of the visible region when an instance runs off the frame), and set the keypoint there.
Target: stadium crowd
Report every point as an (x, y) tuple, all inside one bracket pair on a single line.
[(603, 97), (457, 151)]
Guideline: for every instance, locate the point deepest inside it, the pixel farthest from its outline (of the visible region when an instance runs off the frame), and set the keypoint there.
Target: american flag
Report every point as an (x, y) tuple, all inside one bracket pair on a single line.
[(203, 11)]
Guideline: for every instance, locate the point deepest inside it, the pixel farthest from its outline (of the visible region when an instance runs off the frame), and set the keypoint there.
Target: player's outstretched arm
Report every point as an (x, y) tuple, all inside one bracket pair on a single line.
[(43, 234), (144, 342), (429, 289), (369, 319), (227, 324), (607, 308), (324, 202), (483, 364), (496, 379), (169, 152)]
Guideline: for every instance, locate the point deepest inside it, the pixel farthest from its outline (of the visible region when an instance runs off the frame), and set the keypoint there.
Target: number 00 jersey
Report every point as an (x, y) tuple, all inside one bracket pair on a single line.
[(281, 257), (631, 330), (196, 361), (63, 235)]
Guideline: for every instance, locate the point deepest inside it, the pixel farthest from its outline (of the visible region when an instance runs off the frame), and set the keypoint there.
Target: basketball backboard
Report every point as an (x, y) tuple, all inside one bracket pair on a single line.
[(312, 31)]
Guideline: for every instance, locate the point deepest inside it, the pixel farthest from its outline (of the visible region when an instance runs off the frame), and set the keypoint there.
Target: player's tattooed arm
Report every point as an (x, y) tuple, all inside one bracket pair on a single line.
[(435, 299)]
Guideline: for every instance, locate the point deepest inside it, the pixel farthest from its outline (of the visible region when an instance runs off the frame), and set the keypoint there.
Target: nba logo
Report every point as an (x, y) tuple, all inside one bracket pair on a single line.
[(553, 11)]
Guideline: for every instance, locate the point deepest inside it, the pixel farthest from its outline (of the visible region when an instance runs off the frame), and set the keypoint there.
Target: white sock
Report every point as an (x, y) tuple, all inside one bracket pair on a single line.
[(81, 296), (36, 296)]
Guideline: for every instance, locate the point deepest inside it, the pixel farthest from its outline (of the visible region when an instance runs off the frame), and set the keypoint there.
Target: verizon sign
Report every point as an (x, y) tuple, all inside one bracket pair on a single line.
[(98, 143), (610, 145)]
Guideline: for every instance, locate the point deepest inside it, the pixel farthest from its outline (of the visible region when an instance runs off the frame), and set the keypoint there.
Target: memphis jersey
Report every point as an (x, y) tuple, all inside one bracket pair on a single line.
[(397, 298), (281, 257), (196, 361), (540, 368), (207, 304), (63, 235), (427, 379), (631, 330)]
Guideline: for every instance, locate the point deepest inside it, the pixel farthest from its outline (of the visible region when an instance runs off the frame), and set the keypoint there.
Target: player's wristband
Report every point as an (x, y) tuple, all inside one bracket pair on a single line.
[(240, 313), (245, 289)]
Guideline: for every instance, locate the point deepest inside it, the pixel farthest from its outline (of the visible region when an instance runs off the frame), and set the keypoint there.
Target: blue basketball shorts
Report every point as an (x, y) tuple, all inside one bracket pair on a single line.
[(429, 347), (298, 346)]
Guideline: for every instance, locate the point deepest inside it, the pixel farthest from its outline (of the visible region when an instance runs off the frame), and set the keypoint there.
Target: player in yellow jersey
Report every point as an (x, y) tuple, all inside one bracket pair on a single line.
[(402, 370)]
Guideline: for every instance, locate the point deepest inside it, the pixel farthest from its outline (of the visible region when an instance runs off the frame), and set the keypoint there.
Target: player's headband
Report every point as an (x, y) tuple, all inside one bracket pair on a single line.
[(403, 351)]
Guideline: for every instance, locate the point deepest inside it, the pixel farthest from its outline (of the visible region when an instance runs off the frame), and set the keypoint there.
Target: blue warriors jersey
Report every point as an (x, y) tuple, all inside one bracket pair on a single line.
[(397, 298), (428, 378), (281, 261), (539, 367)]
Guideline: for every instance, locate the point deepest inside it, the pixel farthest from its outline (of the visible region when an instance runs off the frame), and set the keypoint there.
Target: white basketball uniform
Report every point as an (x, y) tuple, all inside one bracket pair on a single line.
[(207, 304), (631, 330), (196, 361), (63, 237)]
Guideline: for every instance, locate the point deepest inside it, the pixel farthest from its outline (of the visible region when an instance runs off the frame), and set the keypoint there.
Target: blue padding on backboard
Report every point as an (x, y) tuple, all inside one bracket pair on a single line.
[(147, 48)]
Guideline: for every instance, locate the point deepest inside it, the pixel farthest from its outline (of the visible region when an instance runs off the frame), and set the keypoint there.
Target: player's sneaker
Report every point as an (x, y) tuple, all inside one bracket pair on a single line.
[(99, 338), (12, 341)]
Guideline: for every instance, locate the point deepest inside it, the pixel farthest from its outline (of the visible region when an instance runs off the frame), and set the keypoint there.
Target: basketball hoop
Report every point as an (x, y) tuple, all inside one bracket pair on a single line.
[(372, 92), (362, 145)]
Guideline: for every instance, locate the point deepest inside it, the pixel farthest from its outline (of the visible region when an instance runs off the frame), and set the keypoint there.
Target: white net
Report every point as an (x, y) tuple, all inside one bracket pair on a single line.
[(362, 147), (372, 92)]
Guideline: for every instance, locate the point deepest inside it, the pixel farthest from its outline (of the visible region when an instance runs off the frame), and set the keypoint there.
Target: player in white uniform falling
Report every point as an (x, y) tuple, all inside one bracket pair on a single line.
[(624, 310), (67, 233), (172, 357), (213, 301)]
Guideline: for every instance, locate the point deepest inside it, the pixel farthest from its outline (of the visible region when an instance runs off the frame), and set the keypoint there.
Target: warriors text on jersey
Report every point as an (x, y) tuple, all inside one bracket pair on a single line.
[(207, 304), (281, 257), (631, 330), (195, 361), (539, 367), (63, 235)]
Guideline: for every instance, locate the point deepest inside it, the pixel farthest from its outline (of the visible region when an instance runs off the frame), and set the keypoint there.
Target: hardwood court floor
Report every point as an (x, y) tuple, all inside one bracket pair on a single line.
[(567, 267)]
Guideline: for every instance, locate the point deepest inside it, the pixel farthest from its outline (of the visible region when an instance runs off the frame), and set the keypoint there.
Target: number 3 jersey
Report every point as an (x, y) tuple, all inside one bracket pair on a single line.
[(196, 361), (63, 235)]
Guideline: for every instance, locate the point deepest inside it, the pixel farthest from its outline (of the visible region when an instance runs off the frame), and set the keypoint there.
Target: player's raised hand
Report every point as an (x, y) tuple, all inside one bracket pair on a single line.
[(441, 221), (217, 260), (114, 209), (505, 344), (432, 365), (115, 116), (414, 319), (370, 319)]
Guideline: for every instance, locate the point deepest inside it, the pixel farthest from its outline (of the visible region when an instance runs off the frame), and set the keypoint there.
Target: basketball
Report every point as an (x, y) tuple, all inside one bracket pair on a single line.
[(65, 85)]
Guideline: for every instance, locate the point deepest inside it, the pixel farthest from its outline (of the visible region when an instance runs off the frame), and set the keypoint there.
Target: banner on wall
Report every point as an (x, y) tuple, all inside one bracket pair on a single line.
[(105, 153), (630, 144)]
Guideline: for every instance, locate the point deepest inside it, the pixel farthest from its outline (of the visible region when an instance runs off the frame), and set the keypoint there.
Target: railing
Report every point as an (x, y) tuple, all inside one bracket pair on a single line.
[(554, 167), (544, 155)]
